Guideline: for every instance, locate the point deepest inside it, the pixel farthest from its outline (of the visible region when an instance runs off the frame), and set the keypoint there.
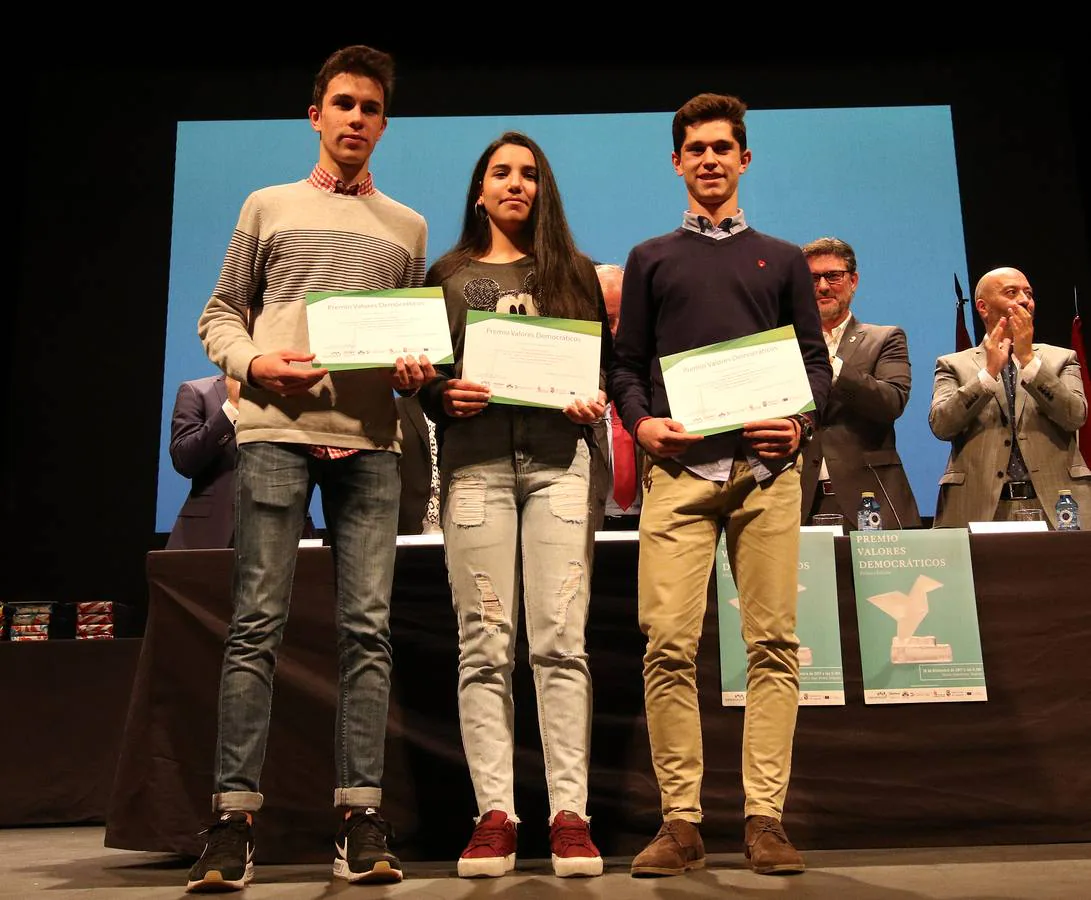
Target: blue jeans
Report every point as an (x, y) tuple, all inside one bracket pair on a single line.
[(360, 502), (516, 521)]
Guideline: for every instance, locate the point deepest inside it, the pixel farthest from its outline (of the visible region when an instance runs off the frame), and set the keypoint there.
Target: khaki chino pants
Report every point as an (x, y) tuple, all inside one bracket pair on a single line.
[(680, 524)]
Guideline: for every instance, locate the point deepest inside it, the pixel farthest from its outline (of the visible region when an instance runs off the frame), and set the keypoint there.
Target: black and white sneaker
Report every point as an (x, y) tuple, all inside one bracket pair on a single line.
[(227, 863), (362, 854)]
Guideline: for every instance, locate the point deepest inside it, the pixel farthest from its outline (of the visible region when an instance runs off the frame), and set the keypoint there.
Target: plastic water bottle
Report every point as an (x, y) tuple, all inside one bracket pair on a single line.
[(868, 516), (1068, 512)]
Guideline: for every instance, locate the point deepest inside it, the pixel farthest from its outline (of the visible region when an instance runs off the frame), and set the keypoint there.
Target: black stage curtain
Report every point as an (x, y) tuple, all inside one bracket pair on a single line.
[(1011, 770)]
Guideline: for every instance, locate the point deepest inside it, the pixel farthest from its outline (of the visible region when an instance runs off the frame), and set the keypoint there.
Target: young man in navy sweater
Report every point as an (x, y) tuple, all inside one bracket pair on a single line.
[(712, 280)]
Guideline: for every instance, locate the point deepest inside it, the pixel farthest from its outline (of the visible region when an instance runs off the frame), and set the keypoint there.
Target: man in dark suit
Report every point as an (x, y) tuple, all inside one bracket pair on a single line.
[(854, 448), (202, 448), (418, 509)]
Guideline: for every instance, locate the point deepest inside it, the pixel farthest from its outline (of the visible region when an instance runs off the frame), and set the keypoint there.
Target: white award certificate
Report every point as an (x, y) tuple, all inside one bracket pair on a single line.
[(371, 329), (532, 360), (723, 386)]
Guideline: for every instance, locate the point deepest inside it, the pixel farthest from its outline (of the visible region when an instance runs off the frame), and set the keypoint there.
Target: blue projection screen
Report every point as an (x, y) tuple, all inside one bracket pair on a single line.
[(884, 179)]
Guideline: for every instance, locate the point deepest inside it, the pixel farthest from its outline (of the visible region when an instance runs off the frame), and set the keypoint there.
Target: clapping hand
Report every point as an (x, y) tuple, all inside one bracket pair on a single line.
[(997, 348)]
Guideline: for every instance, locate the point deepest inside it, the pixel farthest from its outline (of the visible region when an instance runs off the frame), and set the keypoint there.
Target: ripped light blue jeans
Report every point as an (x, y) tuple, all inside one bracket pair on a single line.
[(516, 513)]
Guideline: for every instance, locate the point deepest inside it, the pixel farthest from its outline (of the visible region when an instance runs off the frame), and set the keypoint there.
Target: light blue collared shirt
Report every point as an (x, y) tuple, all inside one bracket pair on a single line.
[(729, 227)]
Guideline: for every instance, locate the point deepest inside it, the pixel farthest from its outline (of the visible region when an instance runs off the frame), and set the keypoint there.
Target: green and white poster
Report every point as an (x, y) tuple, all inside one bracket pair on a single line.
[(915, 602), (820, 677)]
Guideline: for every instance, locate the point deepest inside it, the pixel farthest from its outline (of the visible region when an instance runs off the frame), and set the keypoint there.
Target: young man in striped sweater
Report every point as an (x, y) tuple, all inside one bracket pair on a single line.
[(299, 426)]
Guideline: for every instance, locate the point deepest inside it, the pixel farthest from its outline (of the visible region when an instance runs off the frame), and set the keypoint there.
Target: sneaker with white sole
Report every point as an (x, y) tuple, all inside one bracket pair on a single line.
[(491, 851), (227, 863), (362, 853), (574, 854)]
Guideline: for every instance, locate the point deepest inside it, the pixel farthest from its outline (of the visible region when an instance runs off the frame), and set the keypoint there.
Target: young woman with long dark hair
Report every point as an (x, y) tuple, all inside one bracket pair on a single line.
[(516, 499)]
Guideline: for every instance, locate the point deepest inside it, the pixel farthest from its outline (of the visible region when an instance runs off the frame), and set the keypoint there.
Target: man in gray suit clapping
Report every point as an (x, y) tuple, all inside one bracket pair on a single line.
[(1010, 408)]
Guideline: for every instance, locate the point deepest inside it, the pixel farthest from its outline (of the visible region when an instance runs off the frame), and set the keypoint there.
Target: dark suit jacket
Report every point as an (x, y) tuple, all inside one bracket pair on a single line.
[(202, 448), (602, 467), (600, 472), (416, 466), (856, 434), (974, 418)]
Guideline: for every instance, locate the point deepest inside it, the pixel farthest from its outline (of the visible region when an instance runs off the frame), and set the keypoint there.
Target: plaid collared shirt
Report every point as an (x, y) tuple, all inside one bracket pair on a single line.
[(320, 452), (324, 181)]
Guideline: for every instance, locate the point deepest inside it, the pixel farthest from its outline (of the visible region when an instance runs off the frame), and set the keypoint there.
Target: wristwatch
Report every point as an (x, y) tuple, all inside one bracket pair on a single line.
[(806, 429)]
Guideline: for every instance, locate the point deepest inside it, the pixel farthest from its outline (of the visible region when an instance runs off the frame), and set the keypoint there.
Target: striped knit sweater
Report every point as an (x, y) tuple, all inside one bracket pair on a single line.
[(291, 239)]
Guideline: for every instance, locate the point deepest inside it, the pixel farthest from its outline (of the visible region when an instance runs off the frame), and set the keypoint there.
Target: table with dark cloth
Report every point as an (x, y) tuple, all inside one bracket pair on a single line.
[(1010, 770), (63, 718)]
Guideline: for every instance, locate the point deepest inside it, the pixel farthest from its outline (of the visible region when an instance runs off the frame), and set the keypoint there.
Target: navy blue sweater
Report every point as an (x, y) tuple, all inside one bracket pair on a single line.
[(685, 290)]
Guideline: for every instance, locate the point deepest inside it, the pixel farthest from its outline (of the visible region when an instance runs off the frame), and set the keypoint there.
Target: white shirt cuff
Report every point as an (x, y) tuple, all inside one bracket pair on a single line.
[(1031, 369), (231, 413), (986, 378)]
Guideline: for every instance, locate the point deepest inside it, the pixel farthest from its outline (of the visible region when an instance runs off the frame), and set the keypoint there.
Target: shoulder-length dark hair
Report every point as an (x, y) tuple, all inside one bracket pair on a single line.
[(561, 291)]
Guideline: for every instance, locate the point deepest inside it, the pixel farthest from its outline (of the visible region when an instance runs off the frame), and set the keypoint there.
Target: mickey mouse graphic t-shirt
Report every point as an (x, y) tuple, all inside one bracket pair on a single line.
[(507, 288)]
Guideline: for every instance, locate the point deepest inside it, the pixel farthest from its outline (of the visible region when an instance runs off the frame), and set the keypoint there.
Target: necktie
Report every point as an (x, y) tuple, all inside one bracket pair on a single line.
[(1017, 468), (353, 190), (624, 462)]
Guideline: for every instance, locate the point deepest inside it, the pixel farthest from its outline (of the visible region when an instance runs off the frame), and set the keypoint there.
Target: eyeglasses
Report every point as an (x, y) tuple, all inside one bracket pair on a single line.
[(836, 276)]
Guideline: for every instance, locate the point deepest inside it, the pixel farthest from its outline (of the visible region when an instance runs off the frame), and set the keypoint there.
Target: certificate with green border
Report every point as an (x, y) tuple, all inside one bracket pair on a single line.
[(532, 360), (372, 329), (723, 386)]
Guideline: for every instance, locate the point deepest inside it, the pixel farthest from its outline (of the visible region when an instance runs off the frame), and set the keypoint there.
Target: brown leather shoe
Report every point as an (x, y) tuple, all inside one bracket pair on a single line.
[(676, 848), (768, 848)]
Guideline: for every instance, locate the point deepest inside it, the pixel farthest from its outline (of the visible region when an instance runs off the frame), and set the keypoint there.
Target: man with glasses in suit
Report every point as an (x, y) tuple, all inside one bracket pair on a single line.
[(854, 448)]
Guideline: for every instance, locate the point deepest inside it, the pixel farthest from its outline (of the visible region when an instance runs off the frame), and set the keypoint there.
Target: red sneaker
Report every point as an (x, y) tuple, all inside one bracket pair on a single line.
[(573, 851), (491, 851)]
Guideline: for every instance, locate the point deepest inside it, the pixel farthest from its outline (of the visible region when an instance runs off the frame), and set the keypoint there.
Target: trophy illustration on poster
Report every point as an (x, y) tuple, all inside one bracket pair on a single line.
[(908, 611)]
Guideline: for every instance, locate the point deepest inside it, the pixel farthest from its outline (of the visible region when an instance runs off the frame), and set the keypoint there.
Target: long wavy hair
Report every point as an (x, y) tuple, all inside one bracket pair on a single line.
[(560, 290)]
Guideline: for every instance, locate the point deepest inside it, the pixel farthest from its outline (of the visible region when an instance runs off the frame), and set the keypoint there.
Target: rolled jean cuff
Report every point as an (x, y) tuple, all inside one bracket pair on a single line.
[(237, 801), (357, 797)]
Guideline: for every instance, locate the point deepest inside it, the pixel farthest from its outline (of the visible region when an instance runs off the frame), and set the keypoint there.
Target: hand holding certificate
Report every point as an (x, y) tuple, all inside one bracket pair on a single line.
[(533, 360), (373, 329), (462, 398), (724, 386)]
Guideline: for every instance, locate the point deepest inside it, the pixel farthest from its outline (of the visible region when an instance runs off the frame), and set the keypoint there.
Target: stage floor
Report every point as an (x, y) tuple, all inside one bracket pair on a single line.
[(70, 862)]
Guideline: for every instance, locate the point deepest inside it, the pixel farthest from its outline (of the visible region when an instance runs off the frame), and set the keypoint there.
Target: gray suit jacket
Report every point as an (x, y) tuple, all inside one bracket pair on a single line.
[(856, 433), (974, 418)]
